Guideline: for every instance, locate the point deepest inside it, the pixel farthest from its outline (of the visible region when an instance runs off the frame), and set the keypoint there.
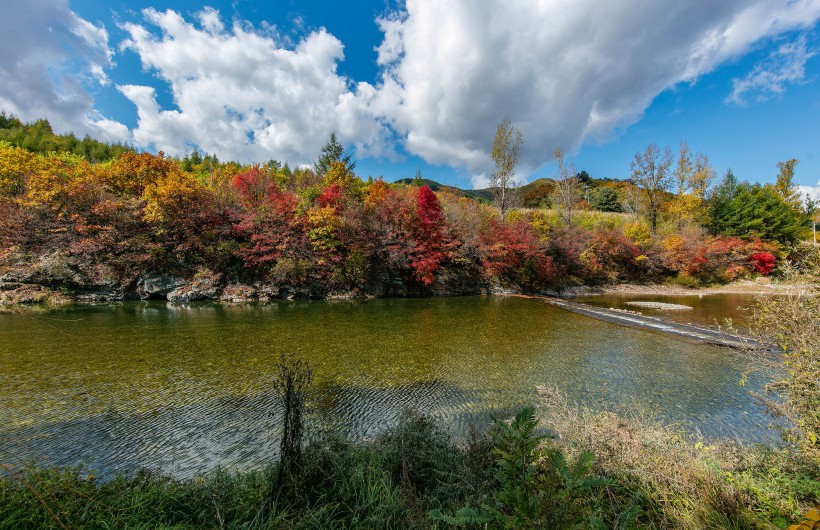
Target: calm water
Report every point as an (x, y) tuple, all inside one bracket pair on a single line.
[(188, 389), (707, 310)]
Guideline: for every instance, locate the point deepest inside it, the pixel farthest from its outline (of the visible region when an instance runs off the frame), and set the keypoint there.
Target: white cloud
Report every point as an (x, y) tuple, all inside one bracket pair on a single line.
[(480, 182), (786, 65), (245, 95), (811, 191), (564, 71), (48, 58)]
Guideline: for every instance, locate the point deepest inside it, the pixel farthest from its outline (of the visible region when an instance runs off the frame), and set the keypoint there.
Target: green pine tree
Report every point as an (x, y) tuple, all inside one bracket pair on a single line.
[(333, 151)]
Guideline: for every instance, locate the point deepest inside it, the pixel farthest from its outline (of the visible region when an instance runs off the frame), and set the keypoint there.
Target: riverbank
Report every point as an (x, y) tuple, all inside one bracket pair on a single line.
[(593, 470), (761, 286), (209, 288)]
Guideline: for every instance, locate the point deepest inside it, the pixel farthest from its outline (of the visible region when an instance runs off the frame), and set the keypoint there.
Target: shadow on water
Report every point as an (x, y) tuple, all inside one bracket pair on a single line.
[(188, 389), (229, 432)]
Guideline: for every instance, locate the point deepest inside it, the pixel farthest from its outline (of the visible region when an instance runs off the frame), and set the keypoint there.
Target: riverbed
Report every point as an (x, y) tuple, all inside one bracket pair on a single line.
[(187, 389)]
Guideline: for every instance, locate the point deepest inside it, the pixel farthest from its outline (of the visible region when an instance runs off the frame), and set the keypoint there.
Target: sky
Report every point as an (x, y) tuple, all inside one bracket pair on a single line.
[(422, 84)]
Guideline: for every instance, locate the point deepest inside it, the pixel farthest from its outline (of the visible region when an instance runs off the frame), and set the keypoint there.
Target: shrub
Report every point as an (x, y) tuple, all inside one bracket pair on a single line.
[(514, 254), (763, 262), (790, 320)]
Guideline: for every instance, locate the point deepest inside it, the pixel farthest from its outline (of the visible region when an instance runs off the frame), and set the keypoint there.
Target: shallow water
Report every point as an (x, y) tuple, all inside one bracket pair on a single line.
[(188, 389), (710, 310)]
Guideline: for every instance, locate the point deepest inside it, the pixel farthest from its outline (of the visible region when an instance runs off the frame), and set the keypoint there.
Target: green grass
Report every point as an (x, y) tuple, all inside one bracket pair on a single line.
[(600, 472)]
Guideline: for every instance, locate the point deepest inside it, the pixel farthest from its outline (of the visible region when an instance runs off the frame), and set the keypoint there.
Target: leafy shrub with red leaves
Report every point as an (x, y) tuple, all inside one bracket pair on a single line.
[(514, 254), (272, 232), (719, 258), (613, 254), (763, 262), (566, 245)]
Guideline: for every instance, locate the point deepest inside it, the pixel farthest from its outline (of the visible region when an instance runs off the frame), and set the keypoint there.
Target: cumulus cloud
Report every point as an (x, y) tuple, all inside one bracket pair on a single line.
[(564, 71), (785, 65), (244, 94), (48, 58), (812, 192)]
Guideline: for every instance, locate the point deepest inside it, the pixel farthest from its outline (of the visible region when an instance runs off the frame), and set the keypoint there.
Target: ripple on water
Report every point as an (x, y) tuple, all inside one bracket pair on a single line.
[(185, 391)]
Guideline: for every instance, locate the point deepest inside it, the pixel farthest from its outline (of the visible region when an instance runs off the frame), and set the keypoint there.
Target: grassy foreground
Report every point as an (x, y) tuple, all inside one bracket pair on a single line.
[(575, 468), (593, 471)]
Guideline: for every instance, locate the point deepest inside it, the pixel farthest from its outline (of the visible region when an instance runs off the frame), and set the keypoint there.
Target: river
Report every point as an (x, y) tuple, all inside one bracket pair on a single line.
[(187, 389)]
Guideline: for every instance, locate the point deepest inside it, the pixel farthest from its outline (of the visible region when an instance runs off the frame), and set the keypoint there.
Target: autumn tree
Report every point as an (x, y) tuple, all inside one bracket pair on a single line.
[(46, 187), (785, 186), (692, 176), (684, 170), (430, 236), (340, 174), (633, 202), (651, 171), (15, 166), (333, 151), (506, 149), (567, 187), (133, 172)]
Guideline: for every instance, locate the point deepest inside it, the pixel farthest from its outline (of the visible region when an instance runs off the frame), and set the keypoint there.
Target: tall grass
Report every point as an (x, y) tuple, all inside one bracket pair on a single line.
[(677, 480), (596, 470)]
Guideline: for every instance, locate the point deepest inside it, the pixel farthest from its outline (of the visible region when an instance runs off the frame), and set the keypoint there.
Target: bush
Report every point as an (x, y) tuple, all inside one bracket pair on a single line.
[(665, 478), (790, 320)]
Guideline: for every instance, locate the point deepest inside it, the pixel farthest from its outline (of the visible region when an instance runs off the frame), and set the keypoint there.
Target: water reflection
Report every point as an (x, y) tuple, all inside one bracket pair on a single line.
[(187, 389)]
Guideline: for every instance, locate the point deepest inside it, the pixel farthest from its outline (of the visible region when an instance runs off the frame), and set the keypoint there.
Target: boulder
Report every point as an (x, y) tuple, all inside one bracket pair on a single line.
[(237, 293), (158, 287), (205, 286)]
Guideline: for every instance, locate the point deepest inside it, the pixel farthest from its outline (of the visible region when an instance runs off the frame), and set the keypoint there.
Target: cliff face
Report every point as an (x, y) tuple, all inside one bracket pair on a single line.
[(55, 278)]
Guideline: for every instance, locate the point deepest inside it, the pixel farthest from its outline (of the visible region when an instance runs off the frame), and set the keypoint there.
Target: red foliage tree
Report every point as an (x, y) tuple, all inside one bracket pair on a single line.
[(331, 196), (253, 187), (763, 262), (515, 255), (430, 245), (271, 230)]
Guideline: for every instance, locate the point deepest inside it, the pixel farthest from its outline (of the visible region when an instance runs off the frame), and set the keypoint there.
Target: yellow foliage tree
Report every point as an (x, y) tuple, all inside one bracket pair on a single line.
[(56, 173), (341, 175), (218, 182), (15, 166), (693, 178), (323, 223), (376, 192), (172, 196), (132, 173)]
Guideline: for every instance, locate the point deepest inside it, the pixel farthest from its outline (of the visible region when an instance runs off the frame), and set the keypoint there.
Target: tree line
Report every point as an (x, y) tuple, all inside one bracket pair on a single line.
[(662, 190), (70, 221)]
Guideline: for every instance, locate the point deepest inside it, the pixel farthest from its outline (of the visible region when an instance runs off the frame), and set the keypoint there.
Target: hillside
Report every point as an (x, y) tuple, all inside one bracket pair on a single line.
[(531, 195)]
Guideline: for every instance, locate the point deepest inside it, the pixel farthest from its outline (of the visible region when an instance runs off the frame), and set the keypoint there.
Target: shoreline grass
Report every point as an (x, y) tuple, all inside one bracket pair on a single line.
[(594, 470)]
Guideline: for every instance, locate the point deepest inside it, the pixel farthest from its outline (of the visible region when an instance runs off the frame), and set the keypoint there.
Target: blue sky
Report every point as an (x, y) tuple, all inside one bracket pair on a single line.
[(423, 84)]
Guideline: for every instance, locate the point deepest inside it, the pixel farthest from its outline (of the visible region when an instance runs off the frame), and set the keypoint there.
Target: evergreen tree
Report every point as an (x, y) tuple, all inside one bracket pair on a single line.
[(743, 209), (39, 137), (605, 200), (333, 151)]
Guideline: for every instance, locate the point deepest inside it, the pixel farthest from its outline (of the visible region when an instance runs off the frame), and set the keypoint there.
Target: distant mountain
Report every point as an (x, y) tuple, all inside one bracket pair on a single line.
[(535, 194), (485, 194)]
